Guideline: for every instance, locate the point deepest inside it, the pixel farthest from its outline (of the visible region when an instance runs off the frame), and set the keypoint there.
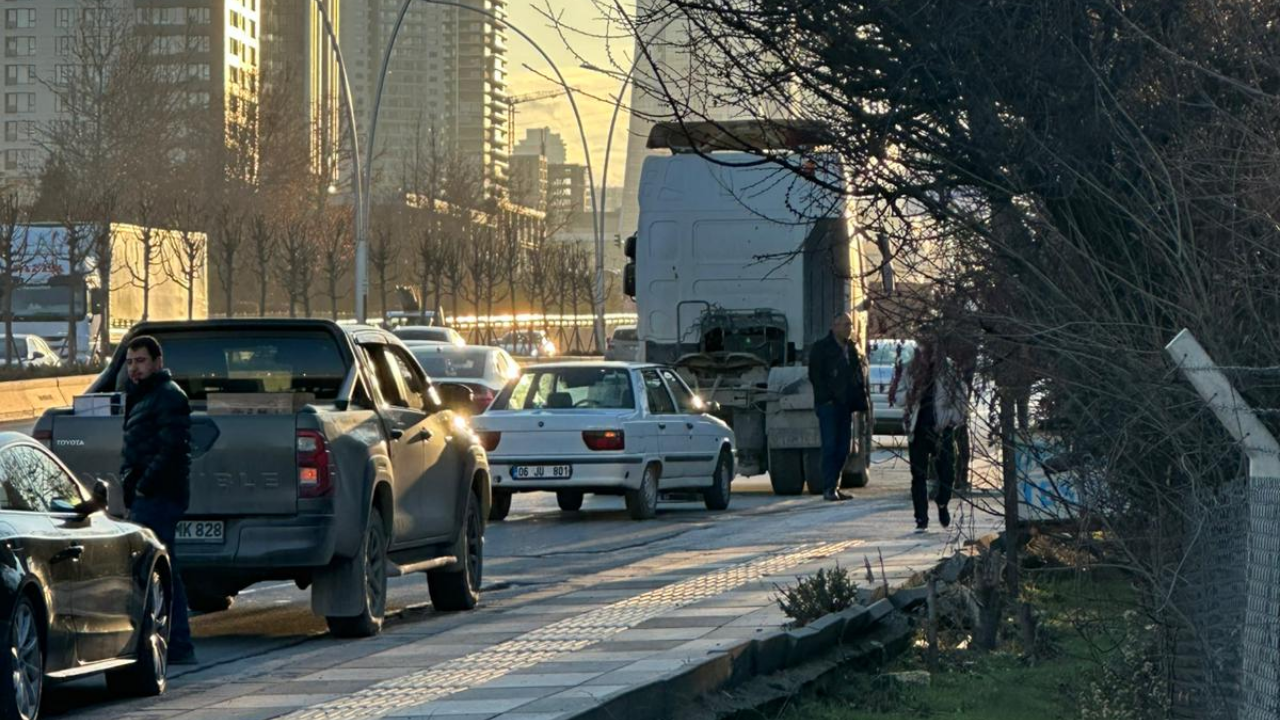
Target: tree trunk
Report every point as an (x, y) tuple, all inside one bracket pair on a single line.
[(1009, 472)]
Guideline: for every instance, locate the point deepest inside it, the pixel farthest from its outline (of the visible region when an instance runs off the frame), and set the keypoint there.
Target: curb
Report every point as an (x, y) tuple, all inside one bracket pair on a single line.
[(870, 634)]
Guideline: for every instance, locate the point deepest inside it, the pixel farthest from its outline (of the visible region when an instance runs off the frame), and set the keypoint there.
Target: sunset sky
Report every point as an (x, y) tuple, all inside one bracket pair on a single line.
[(555, 112)]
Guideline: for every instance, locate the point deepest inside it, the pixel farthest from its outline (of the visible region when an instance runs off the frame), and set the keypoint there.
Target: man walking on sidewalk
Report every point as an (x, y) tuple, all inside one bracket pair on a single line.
[(835, 371), (157, 466)]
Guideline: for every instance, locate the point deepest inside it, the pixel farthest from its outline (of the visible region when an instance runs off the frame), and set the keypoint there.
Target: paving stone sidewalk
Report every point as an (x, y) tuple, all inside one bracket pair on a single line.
[(561, 650)]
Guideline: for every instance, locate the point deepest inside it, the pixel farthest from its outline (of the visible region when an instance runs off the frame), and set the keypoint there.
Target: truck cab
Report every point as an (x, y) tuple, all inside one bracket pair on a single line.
[(737, 267)]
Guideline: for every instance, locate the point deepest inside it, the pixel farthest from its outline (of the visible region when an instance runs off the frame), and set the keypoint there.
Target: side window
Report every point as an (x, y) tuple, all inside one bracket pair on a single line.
[(412, 379), (532, 391), (32, 481), (386, 375), (685, 399), (654, 389)]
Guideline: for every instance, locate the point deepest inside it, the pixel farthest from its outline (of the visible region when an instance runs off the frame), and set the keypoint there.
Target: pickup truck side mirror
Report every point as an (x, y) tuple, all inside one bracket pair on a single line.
[(456, 397)]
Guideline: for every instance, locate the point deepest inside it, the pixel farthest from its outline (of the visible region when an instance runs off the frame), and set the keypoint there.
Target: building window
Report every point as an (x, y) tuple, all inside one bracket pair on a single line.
[(62, 17), (19, 19), (19, 102), (17, 159), (18, 130), (64, 45), (19, 74), (19, 46), (65, 74), (198, 16)]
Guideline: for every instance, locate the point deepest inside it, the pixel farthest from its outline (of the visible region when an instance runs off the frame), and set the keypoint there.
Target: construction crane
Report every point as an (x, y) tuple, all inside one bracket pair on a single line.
[(515, 100)]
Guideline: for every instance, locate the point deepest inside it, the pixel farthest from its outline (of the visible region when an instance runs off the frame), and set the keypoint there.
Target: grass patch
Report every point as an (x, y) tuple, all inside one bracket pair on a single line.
[(1088, 665)]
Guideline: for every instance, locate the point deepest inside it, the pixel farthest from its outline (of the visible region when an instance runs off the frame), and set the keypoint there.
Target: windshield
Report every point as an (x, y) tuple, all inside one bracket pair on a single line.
[(47, 301), (566, 388), (423, 333), (446, 362), (253, 362), (885, 352)]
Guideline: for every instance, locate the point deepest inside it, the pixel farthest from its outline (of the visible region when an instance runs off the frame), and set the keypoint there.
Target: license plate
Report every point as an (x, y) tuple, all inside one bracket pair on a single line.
[(541, 472), (196, 531)]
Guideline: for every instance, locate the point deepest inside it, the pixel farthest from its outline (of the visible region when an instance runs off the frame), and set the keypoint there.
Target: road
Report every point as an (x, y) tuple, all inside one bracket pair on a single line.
[(539, 549)]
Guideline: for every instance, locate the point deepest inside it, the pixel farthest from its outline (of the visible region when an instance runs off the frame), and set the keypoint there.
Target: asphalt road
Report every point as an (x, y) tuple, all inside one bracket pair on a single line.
[(536, 547)]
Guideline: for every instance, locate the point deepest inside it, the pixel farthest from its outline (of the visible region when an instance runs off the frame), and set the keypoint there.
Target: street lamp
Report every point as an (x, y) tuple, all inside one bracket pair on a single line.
[(364, 173)]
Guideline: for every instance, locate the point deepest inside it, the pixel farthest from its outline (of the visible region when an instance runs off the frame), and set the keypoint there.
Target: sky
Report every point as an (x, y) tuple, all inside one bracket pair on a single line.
[(527, 69)]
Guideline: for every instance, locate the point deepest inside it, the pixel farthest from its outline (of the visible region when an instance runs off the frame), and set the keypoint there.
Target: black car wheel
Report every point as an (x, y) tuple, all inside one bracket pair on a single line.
[(24, 663), (457, 587), (373, 569), (149, 675), (717, 496), (569, 500)]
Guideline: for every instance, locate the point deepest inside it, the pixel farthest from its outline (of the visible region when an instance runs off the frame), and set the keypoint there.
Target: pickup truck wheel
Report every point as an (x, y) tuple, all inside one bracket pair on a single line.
[(642, 503), (501, 506), (786, 472), (373, 569), (569, 500), (717, 496), (459, 589)]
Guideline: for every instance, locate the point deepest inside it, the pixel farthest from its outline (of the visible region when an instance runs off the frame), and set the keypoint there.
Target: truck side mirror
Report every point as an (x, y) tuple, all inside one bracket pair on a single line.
[(97, 301), (629, 248), (629, 280)]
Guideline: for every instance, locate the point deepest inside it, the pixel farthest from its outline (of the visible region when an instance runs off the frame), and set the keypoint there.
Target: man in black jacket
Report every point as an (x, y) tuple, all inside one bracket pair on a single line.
[(835, 371), (157, 466)]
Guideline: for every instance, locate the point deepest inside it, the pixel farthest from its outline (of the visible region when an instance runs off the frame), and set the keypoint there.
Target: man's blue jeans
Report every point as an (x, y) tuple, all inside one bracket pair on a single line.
[(835, 422), (162, 517)]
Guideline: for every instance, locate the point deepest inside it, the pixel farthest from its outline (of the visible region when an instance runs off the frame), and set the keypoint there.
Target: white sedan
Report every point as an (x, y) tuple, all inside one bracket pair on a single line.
[(609, 428)]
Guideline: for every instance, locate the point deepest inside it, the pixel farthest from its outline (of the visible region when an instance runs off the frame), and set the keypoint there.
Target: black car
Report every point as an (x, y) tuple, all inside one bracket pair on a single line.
[(83, 593)]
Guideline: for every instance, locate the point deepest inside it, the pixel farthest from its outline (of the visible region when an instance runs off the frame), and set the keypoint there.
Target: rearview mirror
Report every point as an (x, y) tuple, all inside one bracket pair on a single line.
[(456, 397)]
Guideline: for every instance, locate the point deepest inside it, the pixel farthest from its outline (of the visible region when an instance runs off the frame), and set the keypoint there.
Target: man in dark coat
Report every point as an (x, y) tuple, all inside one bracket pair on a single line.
[(835, 371), (157, 466)]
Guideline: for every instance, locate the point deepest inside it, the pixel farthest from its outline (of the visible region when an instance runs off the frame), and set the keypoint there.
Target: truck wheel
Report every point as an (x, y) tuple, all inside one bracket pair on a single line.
[(786, 472), (458, 587), (642, 503), (812, 461), (373, 568), (148, 676), (501, 506), (569, 500), (717, 496)]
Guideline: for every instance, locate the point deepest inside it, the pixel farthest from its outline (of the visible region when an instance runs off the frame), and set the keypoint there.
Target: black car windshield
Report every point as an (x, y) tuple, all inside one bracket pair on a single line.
[(444, 361), (253, 362), (568, 388)]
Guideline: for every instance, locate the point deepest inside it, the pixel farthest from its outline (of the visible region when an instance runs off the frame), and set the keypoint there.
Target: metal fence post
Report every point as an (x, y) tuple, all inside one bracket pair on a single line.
[(1260, 636)]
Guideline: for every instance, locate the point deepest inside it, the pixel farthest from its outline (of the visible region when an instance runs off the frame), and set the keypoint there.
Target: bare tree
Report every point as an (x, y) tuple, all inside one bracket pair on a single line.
[(186, 259), (144, 257), (336, 253), (16, 255), (78, 242), (296, 266), (262, 243), (384, 258), (224, 249)]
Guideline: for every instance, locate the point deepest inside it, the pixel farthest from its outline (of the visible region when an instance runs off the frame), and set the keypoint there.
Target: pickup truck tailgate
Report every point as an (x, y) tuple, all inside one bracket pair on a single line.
[(240, 464)]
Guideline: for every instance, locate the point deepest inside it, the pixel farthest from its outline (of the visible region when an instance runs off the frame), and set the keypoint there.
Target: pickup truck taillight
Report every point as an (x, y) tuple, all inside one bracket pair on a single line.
[(489, 440), (604, 439), (314, 478)]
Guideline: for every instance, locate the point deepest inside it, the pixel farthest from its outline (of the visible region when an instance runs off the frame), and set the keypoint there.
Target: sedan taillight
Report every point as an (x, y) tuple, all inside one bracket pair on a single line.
[(604, 439), (482, 398), (489, 440), (314, 477)]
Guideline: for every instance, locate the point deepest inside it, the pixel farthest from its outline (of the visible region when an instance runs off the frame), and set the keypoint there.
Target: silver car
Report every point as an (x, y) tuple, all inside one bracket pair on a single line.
[(623, 344), (883, 357)]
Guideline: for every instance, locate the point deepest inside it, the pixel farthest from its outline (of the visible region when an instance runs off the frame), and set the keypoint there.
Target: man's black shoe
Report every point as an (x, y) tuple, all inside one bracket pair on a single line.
[(944, 516), (921, 526), (834, 496), (843, 495)]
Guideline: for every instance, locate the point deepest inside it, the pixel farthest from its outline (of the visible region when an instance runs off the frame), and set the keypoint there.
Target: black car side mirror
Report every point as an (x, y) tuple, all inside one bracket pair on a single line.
[(456, 397)]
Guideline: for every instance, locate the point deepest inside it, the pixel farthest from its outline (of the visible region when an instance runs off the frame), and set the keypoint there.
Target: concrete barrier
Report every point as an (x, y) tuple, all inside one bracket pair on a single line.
[(27, 399)]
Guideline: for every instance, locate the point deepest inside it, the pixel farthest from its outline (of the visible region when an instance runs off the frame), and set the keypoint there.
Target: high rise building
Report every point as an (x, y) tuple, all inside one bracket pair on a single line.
[(544, 142), (298, 56), (210, 48), (446, 86)]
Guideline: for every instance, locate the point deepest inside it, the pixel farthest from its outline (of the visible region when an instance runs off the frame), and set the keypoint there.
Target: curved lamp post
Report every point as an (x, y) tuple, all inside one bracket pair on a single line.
[(365, 174)]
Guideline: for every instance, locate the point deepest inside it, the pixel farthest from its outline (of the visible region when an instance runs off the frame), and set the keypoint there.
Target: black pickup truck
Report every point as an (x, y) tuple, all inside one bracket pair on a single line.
[(320, 453)]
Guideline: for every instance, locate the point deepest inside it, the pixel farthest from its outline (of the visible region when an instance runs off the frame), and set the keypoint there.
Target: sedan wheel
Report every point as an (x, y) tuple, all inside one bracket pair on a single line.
[(717, 496), (642, 503), (25, 660), (148, 676)]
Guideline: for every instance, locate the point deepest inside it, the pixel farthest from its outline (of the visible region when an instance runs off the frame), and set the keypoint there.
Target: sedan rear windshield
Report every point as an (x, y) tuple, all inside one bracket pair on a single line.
[(570, 388), (445, 361), (252, 362)]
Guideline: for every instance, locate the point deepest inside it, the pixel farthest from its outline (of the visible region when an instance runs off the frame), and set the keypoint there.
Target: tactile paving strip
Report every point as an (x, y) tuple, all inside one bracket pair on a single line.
[(565, 636)]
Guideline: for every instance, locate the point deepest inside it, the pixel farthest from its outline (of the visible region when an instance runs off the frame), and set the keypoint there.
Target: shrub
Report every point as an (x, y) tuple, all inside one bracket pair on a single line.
[(826, 592)]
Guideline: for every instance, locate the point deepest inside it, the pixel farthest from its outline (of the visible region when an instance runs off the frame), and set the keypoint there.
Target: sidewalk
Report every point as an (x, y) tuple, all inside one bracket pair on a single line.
[(565, 649)]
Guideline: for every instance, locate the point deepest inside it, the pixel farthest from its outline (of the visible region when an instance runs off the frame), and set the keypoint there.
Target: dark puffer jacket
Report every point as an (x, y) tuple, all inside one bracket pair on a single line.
[(157, 441), (836, 374)]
